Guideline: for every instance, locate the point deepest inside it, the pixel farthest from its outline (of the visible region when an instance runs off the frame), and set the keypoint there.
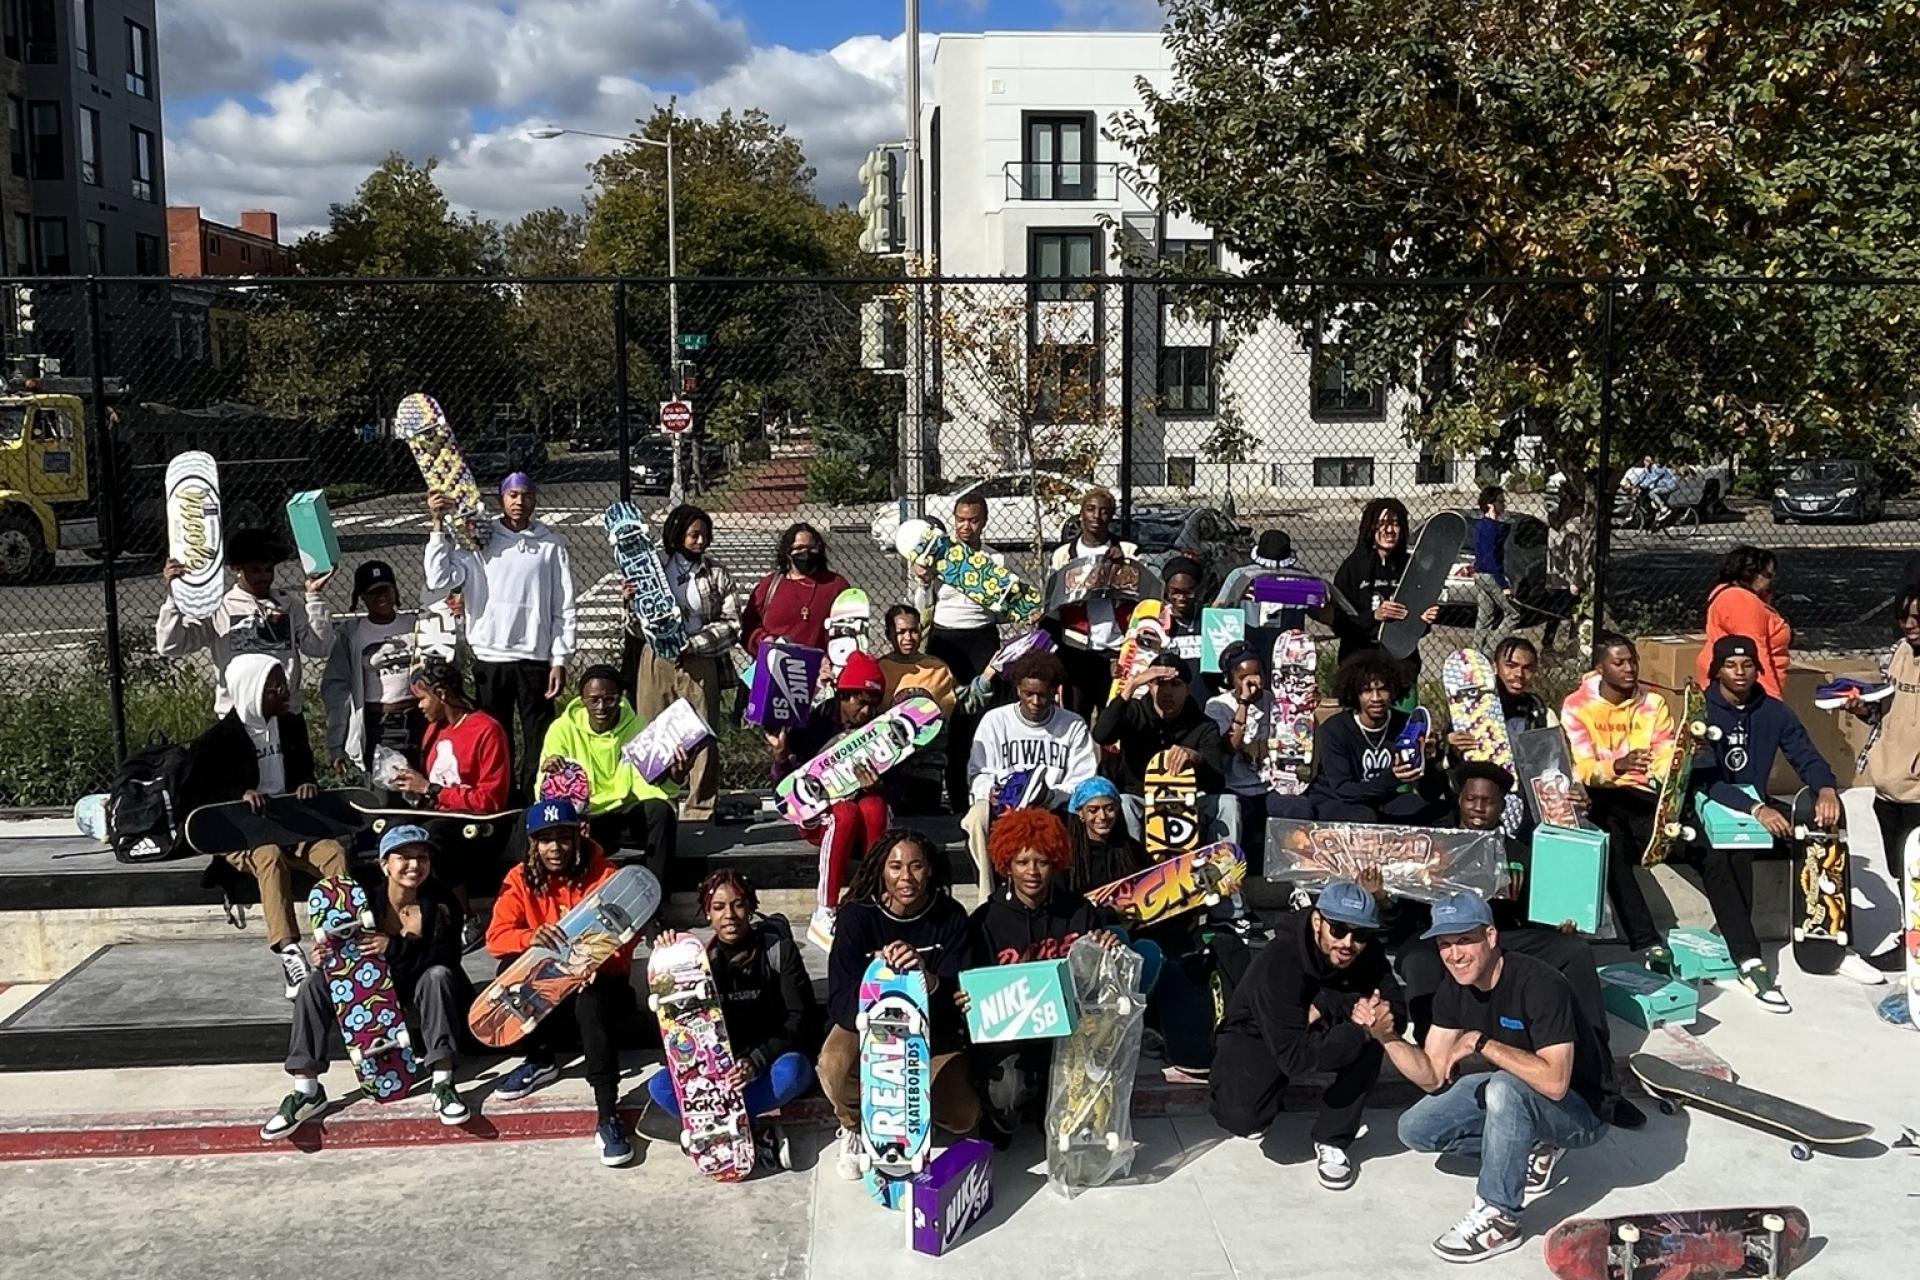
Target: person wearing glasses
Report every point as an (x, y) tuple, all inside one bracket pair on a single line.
[(1308, 1004)]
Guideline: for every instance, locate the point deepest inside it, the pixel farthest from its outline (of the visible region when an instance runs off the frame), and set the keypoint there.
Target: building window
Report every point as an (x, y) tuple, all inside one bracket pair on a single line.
[(17, 133), (49, 156), (1063, 261), (96, 249), (213, 246), (1337, 389), (50, 234), (10, 24), (1057, 157), (142, 165), (43, 32), (1433, 467), (1342, 473), (1181, 470), (83, 35), (246, 252), (90, 146), (1189, 257), (139, 60), (1066, 382), (22, 245), (1186, 380)]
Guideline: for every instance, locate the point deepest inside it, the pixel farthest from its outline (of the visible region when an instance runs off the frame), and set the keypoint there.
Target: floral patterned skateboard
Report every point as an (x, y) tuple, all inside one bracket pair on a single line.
[(443, 465), (361, 986), (974, 574), (693, 1034), (564, 779)]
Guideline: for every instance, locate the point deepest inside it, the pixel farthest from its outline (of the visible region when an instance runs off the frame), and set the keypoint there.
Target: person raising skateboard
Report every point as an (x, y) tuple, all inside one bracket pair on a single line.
[(960, 632), (1370, 575), (1034, 733), (1357, 775)]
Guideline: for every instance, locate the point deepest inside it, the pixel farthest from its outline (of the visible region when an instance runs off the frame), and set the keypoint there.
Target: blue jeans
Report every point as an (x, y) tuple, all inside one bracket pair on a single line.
[(785, 1079), (1498, 1117)]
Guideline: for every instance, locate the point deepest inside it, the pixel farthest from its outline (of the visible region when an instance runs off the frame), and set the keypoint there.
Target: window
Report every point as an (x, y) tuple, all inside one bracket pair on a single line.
[(142, 165), (147, 260), (90, 146), (1060, 257), (1057, 156), (1189, 257), (22, 245), (96, 249), (139, 60), (1434, 466), (49, 153), (83, 35), (10, 23), (214, 245), (1181, 470), (43, 32), (1186, 380), (246, 252), (17, 133), (51, 236), (1337, 389), (1331, 473)]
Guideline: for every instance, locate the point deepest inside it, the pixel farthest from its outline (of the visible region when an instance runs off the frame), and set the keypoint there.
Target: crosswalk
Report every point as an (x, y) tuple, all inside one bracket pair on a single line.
[(563, 517)]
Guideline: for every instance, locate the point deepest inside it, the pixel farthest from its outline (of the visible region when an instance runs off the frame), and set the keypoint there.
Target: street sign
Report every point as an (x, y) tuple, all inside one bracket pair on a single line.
[(676, 417), (693, 342)]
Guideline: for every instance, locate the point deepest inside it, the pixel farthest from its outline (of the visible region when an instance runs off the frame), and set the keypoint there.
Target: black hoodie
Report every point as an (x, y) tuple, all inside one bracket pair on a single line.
[(1007, 931), (938, 933), (769, 1006), (1291, 976), (1365, 580), (1355, 766), (1143, 734)]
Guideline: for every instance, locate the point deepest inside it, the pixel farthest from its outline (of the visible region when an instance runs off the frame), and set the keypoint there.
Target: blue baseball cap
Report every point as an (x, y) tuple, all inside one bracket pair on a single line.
[(552, 813), (1347, 902), (1459, 913), (411, 833)]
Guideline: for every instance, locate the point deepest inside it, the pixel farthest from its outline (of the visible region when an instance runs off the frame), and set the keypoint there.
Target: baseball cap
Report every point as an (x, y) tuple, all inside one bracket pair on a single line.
[(552, 813), (1347, 902), (371, 574), (861, 674), (1174, 663), (518, 480), (411, 833), (1459, 913), (1734, 647), (1274, 550)]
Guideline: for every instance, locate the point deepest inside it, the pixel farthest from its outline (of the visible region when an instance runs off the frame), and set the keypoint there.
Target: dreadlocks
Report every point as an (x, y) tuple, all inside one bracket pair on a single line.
[(864, 885)]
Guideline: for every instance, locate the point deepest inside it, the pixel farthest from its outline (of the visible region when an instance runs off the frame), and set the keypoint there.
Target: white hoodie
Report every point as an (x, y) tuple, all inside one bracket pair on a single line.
[(245, 623), (246, 680), (1061, 748), (519, 592)]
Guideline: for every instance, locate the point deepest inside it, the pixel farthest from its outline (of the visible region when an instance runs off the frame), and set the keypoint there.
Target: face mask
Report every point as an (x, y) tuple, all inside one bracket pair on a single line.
[(806, 560)]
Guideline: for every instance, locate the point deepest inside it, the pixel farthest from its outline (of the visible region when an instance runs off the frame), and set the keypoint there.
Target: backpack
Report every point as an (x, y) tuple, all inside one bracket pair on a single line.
[(144, 820)]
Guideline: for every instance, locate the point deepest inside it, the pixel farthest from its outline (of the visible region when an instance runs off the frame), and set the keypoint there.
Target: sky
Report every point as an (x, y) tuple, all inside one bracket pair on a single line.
[(287, 104)]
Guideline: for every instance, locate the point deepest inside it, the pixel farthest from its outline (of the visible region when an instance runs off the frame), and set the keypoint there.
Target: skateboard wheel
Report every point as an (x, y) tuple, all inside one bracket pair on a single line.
[(1211, 899), (1065, 1144), (686, 1141), (1773, 1222), (320, 935), (404, 1038), (866, 1162), (1113, 1143), (918, 1163), (1123, 1006), (368, 921), (470, 831), (1840, 937), (353, 1054), (860, 1022), (1668, 1107), (1628, 1233), (653, 1002), (1800, 1151), (379, 825)]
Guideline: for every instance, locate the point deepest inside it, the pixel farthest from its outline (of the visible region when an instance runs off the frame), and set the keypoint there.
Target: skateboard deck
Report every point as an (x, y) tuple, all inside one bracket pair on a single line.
[(1819, 885), (193, 534), (848, 619), (1473, 706), (443, 465), (1673, 1087), (974, 574), (1669, 814), (1090, 1093), (883, 742), (1171, 821), (1294, 676), (233, 827), (714, 1128), (1181, 883), (564, 779), (1426, 863), (678, 728), (1080, 580), (638, 557), (1021, 789), (1146, 638), (472, 825), (1543, 767), (1425, 577), (1910, 924), (541, 979), (1019, 647), (1683, 1244), (372, 1023), (896, 1075), (953, 1194), (780, 691)]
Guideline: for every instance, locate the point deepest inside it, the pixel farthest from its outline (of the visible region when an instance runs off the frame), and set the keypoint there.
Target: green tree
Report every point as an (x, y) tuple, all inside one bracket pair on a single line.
[(563, 332)]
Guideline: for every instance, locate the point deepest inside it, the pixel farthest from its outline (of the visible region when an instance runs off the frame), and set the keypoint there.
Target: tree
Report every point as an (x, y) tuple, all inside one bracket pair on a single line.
[(564, 333)]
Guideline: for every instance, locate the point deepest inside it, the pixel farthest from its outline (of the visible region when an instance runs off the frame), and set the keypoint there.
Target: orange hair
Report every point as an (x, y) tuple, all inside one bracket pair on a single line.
[(1029, 829)]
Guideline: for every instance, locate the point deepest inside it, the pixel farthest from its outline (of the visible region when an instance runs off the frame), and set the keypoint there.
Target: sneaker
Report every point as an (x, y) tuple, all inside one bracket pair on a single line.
[(295, 1110), (1540, 1165), (294, 966), (1484, 1232), (820, 929), (1336, 1171), (1856, 967), (1755, 978), (1658, 959), (846, 1155), (473, 935), (771, 1149), (998, 1126), (450, 1106), (1153, 1044), (1836, 694), (524, 1079), (615, 1148), (1628, 1116)]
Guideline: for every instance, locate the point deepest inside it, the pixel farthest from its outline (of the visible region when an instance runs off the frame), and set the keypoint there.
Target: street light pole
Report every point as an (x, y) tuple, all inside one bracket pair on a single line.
[(913, 456)]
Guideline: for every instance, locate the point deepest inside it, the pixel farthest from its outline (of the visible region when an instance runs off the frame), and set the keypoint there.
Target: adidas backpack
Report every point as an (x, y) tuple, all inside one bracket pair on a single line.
[(144, 820)]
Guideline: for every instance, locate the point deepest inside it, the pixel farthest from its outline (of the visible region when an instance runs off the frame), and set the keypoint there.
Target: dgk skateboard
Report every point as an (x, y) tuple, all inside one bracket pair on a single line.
[(193, 534), (1145, 640), (714, 1128), (1544, 768), (1910, 924), (1295, 678), (1090, 1094), (1172, 818), (639, 561), (443, 465), (780, 690), (896, 1078), (536, 983), (848, 619), (472, 825), (1669, 823), (1426, 863), (954, 1193), (234, 827), (678, 728), (1201, 878), (808, 792), (974, 574), (1684, 1244), (1674, 1087), (365, 1004), (564, 779), (1425, 577), (1819, 885)]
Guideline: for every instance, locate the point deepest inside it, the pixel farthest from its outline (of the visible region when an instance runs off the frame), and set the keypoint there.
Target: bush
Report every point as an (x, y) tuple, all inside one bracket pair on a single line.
[(837, 478)]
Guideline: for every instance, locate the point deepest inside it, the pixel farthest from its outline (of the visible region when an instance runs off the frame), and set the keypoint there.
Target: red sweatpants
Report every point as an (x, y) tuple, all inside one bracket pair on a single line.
[(851, 827)]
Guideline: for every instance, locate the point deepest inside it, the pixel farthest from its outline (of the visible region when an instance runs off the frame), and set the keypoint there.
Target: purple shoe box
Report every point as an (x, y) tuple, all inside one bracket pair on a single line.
[(1290, 592), (953, 1194), (784, 676)]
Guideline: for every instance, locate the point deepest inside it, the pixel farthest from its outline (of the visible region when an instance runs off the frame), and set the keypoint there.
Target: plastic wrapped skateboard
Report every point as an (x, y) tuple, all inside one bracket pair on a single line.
[(1090, 1094), (194, 535), (974, 574), (1544, 768), (1426, 863), (896, 1079), (1425, 577), (1819, 888), (1669, 822), (372, 1023), (1674, 1087), (639, 560), (1171, 818), (233, 827), (1201, 878), (714, 1128), (443, 465), (1081, 580), (1685, 1244), (1294, 675), (806, 794), (678, 728)]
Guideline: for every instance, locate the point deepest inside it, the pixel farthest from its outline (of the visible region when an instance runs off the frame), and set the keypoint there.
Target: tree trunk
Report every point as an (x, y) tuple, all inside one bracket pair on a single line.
[(1572, 541)]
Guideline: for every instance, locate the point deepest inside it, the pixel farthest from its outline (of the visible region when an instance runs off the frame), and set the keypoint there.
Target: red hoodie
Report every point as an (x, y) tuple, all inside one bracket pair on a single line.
[(519, 911), (470, 762)]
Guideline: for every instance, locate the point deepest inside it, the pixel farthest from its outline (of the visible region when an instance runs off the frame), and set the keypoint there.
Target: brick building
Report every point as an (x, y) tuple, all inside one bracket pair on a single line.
[(197, 246)]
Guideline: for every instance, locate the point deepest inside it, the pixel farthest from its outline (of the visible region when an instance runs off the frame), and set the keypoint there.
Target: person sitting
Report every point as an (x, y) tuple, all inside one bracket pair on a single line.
[(767, 1000), (365, 688), (917, 785), (1181, 578), (624, 806), (1358, 774), (418, 934), (897, 908), (1513, 1071), (1034, 734), (1244, 712), (257, 750), (561, 869), (1170, 721)]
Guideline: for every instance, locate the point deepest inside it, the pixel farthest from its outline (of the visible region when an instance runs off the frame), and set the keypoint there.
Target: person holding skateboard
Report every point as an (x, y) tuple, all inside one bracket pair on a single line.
[(918, 786), (1357, 775), (961, 633), (1034, 733), (365, 689), (623, 806), (562, 867), (1168, 720), (1890, 764), (1244, 712), (791, 603), (897, 907), (1089, 661), (1369, 576), (419, 935)]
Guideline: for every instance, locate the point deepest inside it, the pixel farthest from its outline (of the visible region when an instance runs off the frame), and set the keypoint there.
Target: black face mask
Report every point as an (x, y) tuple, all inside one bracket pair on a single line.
[(805, 560)]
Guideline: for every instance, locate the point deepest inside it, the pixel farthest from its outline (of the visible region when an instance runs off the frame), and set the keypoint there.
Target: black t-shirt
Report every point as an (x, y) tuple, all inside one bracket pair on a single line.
[(1530, 1007)]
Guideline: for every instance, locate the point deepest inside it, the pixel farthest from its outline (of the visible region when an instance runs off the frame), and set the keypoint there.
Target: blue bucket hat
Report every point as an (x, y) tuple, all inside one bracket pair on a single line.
[(1091, 789)]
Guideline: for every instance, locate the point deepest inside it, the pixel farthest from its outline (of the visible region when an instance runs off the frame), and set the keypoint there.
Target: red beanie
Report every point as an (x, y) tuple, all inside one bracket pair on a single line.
[(861, 675)]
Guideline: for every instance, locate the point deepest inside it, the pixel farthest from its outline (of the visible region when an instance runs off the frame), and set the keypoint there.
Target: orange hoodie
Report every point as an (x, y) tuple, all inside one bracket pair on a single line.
[(1736, 611), (519, 911)]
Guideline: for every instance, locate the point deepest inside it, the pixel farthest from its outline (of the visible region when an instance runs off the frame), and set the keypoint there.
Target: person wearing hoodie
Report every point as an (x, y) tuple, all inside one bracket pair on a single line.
[(1033, 733), (365, 688), (1168, 720), (918, 785), (562, 867), (254, 616), (622, 806), (1358, 775), (1890, 762), (258, 749), (1369, 576), (1088, 658), (1741, 604), (517, 594)]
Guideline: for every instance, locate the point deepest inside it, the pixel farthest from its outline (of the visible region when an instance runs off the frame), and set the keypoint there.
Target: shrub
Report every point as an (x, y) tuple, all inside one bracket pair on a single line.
[(837, 478)]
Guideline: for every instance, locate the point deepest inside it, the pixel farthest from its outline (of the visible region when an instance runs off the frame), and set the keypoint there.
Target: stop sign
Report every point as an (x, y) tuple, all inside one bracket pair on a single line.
[(676, 417)]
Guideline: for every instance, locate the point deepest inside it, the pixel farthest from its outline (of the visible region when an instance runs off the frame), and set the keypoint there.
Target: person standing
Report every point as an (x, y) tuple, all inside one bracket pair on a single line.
[(1741, 604), (1890, 764), (1369, 576), (366, 690), (963, 634), (517, 594), (1494, 612), (1087, 653), (791, 603), (918, 785)]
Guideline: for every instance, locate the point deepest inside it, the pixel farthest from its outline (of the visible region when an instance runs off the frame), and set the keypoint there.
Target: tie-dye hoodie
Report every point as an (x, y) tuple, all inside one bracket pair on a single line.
[(1600, 732)]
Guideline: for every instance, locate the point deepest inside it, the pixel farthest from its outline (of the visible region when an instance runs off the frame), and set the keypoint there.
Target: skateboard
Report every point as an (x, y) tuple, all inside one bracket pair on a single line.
[(678, 728), (1424, 578), (1426, 863), (1910, 924), (974, 574), (847, 621), (564, 779), (1220, 630), (365, 1004), (896, 1076), (1146, 638), (714, 1128), (1201, 878), (1544, 769), (638, 557), (436, 633), (234, 827), (1820, 886), (536, 983), (1410, 744), (1683, 1244), (1172, 818), (1080, 580), (472, 825), (1668, 814), (780, 689), (883, 742), (1295, 679), (1473, 706), (953, 1194), (1674, 1087), (193, 534), (1019, 647), (1090, 1095), (443, 465)]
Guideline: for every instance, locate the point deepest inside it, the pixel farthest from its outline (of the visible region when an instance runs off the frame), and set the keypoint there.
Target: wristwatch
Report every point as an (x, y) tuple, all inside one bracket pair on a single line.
[(433, 796), (1480, 1044)]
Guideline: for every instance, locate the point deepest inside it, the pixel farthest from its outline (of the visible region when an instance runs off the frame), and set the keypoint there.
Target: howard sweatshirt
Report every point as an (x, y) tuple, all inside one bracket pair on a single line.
[(518, 591), (1006, 741)]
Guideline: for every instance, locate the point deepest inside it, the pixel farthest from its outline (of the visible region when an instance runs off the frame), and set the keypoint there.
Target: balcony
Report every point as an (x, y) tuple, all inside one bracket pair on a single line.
[(1079, 181)]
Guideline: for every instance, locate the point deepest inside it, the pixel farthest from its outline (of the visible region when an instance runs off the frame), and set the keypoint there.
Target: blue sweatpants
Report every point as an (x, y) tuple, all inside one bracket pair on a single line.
[(785, 1079)]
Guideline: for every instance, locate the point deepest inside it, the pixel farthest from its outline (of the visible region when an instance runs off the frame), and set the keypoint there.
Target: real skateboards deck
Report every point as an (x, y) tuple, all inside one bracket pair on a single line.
[(1294, 676), (443, 465), (1090, 1092), (194, 535), (1682, 1244), (1425, 577), (1182, 883), (1910, 923), (1171, 820), (365, 1004), (714, 1129), (1819, 888), (1426, 863), (234, 827), (1674, 1087), (678, 728), (950, 1196), (541, 978), (780, 691), (638, 557), (564, 779), (974, 574), (1544, 769), (806, 794), (896, 1077), (1672, 775)]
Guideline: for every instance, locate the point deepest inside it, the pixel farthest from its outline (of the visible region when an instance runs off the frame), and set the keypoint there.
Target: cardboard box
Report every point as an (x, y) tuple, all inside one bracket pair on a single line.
[(951, 1195), (313, 532), (1837, 736), (1569, 877), (1032, 1001), (1636, 994), (1667, 663), (1700, 955), (1726, 828)]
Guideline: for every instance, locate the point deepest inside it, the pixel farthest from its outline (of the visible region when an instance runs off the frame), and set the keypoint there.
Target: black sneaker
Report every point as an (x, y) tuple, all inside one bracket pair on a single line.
[(295, 1110), (997, 1127), (1540, 1165), (1627, 1116), (473, 935), (770, 1149)]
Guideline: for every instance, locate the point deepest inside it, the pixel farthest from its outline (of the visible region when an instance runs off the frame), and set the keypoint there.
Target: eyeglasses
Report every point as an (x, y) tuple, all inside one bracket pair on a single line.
[(610, 700), (1340, 929)]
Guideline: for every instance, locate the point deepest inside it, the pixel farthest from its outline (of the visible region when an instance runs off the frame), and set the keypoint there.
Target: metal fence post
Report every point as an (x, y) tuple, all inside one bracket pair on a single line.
[(1126, 406), (621, 408), (1602, 489), (106, 460)]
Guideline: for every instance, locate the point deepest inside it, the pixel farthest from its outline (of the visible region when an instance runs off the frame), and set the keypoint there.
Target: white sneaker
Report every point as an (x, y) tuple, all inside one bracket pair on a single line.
[(820, 929), (846, 1155), (1855, 966), (1331, 1164), (1484, 1232), (293, 966)]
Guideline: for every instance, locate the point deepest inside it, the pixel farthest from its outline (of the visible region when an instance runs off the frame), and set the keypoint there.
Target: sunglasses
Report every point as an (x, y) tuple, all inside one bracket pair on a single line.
[(1340, 929)]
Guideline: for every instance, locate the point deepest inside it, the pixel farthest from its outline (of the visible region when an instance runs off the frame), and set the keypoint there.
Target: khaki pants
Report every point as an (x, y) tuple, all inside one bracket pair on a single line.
[(956, 1108), (697, 679), (274, 868), (974, 823)]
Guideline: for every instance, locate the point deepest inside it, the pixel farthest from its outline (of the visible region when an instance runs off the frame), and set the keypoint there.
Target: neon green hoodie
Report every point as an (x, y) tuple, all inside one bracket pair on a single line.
[(616, 784)]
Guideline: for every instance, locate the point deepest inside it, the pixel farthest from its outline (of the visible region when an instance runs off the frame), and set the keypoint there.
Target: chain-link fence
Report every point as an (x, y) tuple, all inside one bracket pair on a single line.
[(1641, 430)]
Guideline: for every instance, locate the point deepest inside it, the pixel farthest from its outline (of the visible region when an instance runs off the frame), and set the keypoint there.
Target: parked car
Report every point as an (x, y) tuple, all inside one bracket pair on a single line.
[(1830, 489), (1210, 536), (1010, 510), (652, 463), (1526, 545)]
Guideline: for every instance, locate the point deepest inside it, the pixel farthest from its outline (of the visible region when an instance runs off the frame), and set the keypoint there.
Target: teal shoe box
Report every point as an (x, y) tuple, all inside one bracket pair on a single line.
[(1729, 828), (1569, 877), (1032, 1001), (313, 533), (1647, 999), (1700, 955)]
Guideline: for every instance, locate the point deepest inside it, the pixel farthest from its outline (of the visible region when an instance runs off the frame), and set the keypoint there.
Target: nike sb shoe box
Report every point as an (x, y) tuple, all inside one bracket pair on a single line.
[(1700, 955), (1636, 994), (1569, 877), (1031, 1001)]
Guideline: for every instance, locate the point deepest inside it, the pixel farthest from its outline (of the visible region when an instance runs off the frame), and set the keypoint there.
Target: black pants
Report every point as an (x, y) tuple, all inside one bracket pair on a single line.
[(400, 730), (915, 796), (1089, 679), (651, 826), (502, 688), (1626, 815), (1012, 1078), (475, 863), (593, 1019), (1898, 821), (1247, 1085), (966, 651), (435, 1008), (1727, 877)]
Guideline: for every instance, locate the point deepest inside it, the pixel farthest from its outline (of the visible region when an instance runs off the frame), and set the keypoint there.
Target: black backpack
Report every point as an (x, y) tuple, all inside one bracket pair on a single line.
[(145, 822)]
